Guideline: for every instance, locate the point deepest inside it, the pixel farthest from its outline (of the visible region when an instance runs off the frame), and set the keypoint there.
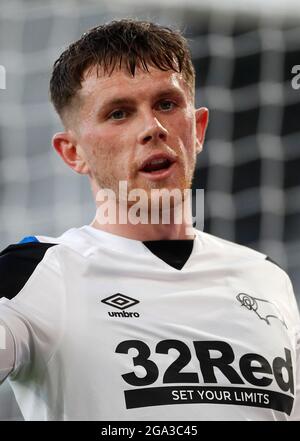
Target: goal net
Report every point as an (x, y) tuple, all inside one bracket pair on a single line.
[(249, 167)]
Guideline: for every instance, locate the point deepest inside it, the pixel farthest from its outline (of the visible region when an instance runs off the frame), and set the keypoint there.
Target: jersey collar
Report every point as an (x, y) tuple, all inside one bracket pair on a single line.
[(175, 253)]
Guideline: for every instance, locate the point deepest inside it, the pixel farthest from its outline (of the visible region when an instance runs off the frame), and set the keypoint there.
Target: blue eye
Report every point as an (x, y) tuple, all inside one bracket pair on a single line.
[(166, 105), (118, 114)]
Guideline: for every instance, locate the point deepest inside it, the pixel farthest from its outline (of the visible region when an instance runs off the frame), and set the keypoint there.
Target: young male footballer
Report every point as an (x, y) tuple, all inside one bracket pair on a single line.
[(136, 318)]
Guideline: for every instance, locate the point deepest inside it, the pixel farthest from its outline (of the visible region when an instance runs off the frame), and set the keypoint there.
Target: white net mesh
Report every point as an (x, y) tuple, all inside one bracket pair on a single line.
[(249, 167)]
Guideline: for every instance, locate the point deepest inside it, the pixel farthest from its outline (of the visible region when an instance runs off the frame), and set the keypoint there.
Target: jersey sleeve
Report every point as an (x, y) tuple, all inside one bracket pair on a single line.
[(295, 416), (31, 307), (7, 352), (291, 310)]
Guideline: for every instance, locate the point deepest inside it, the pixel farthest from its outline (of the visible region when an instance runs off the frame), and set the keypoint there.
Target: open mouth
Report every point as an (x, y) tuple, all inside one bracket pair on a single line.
[(157, 168), (157, 165)]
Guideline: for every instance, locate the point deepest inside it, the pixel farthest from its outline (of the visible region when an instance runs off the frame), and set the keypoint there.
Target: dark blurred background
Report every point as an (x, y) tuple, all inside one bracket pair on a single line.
[(243, 54)]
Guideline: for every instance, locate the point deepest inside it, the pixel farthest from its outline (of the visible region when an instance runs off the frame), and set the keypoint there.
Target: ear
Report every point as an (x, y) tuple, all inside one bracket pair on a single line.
[(201, 116), (72, 154)]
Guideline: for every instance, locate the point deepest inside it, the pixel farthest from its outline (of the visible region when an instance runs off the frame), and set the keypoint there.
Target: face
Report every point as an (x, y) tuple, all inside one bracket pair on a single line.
[(125, 123)]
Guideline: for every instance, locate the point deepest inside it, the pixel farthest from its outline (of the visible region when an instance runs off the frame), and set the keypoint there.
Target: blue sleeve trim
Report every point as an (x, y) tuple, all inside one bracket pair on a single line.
[(28, 239)]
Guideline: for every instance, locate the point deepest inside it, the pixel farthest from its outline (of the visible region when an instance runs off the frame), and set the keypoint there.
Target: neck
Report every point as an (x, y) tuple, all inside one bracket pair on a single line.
[(177, 227)]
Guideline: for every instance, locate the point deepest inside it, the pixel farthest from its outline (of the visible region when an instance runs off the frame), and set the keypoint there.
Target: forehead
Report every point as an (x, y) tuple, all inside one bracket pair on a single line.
[(100, 85)]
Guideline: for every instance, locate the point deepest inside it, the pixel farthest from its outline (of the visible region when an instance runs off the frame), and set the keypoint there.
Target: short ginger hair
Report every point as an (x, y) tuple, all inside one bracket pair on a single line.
[(125, 43)]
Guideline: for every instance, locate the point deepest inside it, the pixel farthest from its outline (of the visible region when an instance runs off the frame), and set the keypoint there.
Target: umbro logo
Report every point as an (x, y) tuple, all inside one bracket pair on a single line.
[(122, 302)]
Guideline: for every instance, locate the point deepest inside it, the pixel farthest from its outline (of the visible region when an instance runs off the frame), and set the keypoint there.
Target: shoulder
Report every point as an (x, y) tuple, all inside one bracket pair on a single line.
[(18, 262), (226, 248), (255, 268)]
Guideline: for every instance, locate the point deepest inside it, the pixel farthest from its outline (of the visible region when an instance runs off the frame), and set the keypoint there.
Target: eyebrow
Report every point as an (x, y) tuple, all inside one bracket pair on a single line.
[(116, 102), (128, 100)]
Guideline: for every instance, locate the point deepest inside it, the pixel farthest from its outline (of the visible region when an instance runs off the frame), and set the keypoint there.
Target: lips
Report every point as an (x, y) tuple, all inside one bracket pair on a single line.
[(158, 166), (156, 162)]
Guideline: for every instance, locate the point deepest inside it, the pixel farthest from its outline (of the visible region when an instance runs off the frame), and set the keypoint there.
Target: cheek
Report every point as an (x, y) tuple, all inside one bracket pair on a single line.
[(186, 133), (106, 151)]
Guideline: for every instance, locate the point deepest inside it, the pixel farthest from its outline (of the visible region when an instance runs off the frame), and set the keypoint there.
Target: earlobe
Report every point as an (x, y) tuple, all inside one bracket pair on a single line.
[(70, 152), (201, 126)]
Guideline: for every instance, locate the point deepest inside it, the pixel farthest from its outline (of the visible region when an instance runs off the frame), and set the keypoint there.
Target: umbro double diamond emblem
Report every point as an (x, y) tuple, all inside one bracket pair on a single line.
[(122, 302)]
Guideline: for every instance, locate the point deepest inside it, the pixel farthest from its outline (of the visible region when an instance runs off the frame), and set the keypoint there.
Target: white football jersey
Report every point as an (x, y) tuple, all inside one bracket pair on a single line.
[(110, 328)]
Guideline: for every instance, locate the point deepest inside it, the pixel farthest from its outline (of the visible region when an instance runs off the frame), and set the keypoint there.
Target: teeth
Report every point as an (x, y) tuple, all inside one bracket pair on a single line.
[(158, 161), (156, 164)]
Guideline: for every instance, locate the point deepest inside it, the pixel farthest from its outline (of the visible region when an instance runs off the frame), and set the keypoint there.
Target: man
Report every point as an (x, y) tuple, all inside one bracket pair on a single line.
[(132, 319)]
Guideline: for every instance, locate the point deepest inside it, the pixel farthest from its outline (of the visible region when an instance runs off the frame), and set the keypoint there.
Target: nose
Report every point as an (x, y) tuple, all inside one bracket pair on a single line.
[(152, 131)]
